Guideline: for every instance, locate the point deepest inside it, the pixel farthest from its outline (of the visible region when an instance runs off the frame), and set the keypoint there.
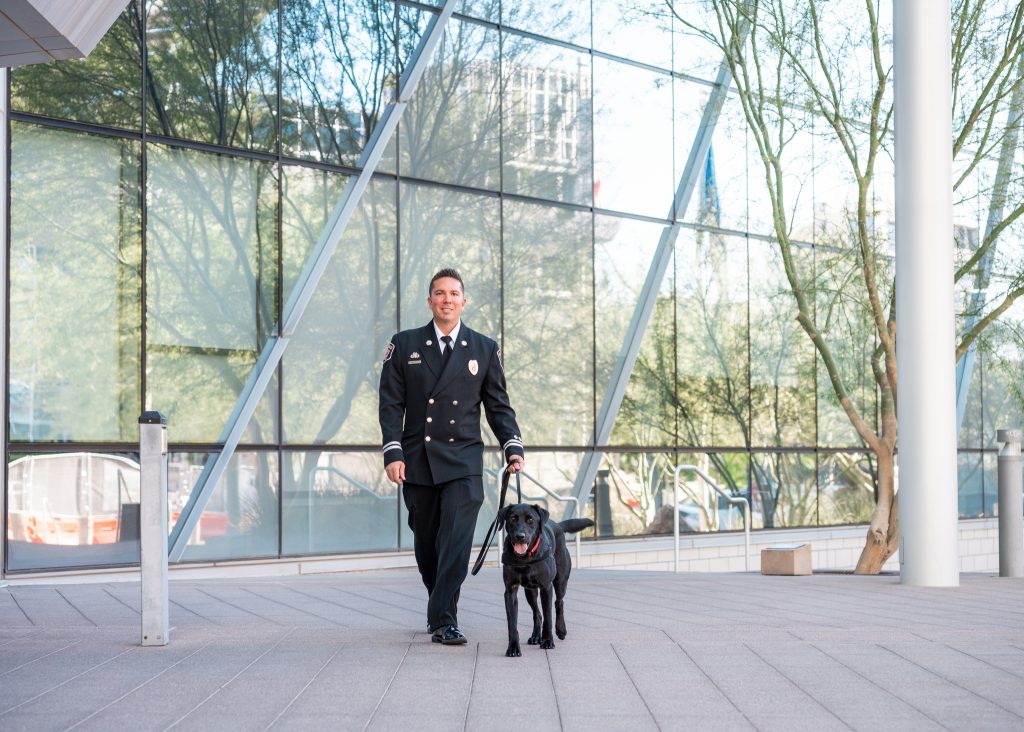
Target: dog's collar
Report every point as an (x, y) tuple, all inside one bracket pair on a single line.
[(535, 545)]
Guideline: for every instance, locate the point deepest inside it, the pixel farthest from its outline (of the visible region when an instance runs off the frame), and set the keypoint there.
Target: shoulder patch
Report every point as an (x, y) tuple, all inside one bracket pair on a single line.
[(499, 360), (388, 352)]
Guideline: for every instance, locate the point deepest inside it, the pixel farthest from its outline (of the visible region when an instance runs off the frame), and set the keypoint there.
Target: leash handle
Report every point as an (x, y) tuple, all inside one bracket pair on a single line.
[(492, 530), (519, 489)]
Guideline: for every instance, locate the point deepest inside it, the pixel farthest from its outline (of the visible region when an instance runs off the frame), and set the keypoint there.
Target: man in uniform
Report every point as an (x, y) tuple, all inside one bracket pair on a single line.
[(432, 384)]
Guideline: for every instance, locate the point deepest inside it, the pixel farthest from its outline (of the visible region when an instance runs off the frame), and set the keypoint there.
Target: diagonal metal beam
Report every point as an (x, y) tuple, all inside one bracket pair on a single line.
[(306, 285), (1007, 152), (634, 336)]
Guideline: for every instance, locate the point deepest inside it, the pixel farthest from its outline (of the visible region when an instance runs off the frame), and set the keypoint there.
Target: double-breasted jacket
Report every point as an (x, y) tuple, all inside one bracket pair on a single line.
[(430, 410)]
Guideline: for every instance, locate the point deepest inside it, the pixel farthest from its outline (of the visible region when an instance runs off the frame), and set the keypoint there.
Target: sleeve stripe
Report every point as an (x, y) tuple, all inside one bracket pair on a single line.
[(512, 443), (392, 446)]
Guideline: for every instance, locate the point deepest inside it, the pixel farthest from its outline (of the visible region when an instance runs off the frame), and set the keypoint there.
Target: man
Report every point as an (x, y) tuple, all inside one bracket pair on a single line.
[(431, 387)]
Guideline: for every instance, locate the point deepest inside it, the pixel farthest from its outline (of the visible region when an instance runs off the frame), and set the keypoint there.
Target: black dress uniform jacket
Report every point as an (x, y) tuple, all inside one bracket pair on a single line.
[(439, 439)]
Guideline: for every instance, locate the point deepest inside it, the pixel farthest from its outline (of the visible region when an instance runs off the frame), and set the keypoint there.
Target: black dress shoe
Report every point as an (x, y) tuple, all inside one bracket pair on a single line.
[(449, 635)]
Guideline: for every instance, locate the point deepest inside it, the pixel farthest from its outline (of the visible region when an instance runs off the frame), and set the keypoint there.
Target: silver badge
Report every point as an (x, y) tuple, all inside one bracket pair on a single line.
[(414, 354), (430, 343), (473, 367), (464, 343)]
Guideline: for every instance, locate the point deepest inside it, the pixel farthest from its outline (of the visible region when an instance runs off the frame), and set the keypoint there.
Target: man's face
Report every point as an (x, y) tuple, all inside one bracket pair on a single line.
[(446, 302)]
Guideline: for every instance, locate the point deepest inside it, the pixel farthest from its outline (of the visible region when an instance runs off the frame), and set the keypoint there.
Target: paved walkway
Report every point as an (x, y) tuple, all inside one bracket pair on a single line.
[(645, 651)]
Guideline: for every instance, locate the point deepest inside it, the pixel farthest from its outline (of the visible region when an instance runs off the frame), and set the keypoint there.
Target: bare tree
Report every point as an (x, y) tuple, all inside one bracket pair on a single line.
[(823, 69)]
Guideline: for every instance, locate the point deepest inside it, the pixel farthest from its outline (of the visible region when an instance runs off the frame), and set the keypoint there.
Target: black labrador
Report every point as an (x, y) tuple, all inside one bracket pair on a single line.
[(536, 557)]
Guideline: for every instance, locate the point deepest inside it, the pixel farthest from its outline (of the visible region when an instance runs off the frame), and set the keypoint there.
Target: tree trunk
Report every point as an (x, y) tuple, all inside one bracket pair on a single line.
[(884, 530)]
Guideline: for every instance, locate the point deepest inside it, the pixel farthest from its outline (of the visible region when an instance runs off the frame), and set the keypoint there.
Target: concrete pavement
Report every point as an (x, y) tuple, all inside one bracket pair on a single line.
[(645, 650)]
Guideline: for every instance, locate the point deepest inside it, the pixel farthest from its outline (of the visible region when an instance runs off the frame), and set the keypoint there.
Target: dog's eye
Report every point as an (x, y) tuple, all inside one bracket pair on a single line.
[(529, 519)]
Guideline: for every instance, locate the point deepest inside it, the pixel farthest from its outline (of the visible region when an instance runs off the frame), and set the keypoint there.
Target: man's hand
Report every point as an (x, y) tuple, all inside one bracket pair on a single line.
[(516, 463), (396, 471)]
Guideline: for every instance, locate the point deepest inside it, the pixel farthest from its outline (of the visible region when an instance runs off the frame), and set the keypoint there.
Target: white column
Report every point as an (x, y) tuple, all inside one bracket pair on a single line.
[(3, 310), (924, 294)]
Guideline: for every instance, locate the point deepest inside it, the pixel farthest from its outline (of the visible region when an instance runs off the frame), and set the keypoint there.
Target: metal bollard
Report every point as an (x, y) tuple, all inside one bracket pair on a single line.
[(1011, 504), (153, 527)]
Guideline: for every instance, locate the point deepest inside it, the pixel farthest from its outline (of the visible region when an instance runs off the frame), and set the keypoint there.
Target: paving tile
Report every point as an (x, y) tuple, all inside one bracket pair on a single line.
[(645, 651)]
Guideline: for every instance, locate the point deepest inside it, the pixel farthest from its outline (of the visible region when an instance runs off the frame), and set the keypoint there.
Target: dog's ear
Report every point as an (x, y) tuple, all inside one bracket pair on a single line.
[(542, 512), (503, 515)]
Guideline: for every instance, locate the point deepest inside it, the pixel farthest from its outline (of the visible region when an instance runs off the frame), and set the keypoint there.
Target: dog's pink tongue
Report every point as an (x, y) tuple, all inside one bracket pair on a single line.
[(520, 548)]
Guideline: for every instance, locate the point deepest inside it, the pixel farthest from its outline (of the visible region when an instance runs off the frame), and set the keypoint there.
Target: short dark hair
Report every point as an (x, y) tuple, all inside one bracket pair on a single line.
[(446, 272)]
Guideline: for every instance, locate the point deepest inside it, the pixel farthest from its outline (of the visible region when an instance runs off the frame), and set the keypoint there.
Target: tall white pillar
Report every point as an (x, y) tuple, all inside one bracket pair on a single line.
[(3, 311), (924, 294)]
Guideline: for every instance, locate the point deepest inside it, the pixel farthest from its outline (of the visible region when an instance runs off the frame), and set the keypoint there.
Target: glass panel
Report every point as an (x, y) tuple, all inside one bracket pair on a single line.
[(781, 355), (721, 197), (213, 71), (450, 132), (797, 182), (785, 491), (337, 502), (240, 520), (446, 228), (711, 316), (338, 65), (75, 282), (688, 111), (692, 52), (846, 485), (835, 193), (632, 139), (624, 251), (1002, 356), (332, 367), (701, 507), (970, 485), (972, 426), (843, 317), (563, 21), (990, 466), (640, 30), (211, 282), (103, 88), (547, 140), (72, 510), (632, 495), (548, 311)]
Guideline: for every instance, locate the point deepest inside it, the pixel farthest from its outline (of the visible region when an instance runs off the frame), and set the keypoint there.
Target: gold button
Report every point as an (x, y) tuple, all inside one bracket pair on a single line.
[(430, 419), (428, 439), (430, 401)]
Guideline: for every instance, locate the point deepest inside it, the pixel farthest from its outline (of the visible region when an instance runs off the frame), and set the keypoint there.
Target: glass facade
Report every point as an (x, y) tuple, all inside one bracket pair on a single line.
[(165, 193)]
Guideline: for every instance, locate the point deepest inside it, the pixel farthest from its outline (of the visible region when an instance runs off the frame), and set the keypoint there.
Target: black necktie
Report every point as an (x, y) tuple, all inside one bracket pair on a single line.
[(446, 350)]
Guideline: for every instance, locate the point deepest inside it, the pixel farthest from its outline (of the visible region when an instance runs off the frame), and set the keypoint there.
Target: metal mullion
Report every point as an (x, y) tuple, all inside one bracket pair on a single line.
[(305, 286)]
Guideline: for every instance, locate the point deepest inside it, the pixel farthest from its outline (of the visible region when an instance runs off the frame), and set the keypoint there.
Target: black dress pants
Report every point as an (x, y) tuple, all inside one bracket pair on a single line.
[(442, 518)]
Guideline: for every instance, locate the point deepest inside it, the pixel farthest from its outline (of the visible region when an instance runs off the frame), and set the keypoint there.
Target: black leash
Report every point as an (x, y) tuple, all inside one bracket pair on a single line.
[(493, 530)]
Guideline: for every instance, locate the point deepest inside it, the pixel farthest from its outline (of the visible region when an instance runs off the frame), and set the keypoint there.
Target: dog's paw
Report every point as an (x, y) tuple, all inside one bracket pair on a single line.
[(547, 644), (513, 650), (560, 633), (534, 639)]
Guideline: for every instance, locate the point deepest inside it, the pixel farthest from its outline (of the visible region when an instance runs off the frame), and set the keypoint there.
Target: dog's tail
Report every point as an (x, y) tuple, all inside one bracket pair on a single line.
[(571, 526)]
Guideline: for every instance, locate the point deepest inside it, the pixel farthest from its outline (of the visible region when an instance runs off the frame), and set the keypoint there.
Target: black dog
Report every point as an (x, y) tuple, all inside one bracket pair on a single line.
[(536, 557)]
